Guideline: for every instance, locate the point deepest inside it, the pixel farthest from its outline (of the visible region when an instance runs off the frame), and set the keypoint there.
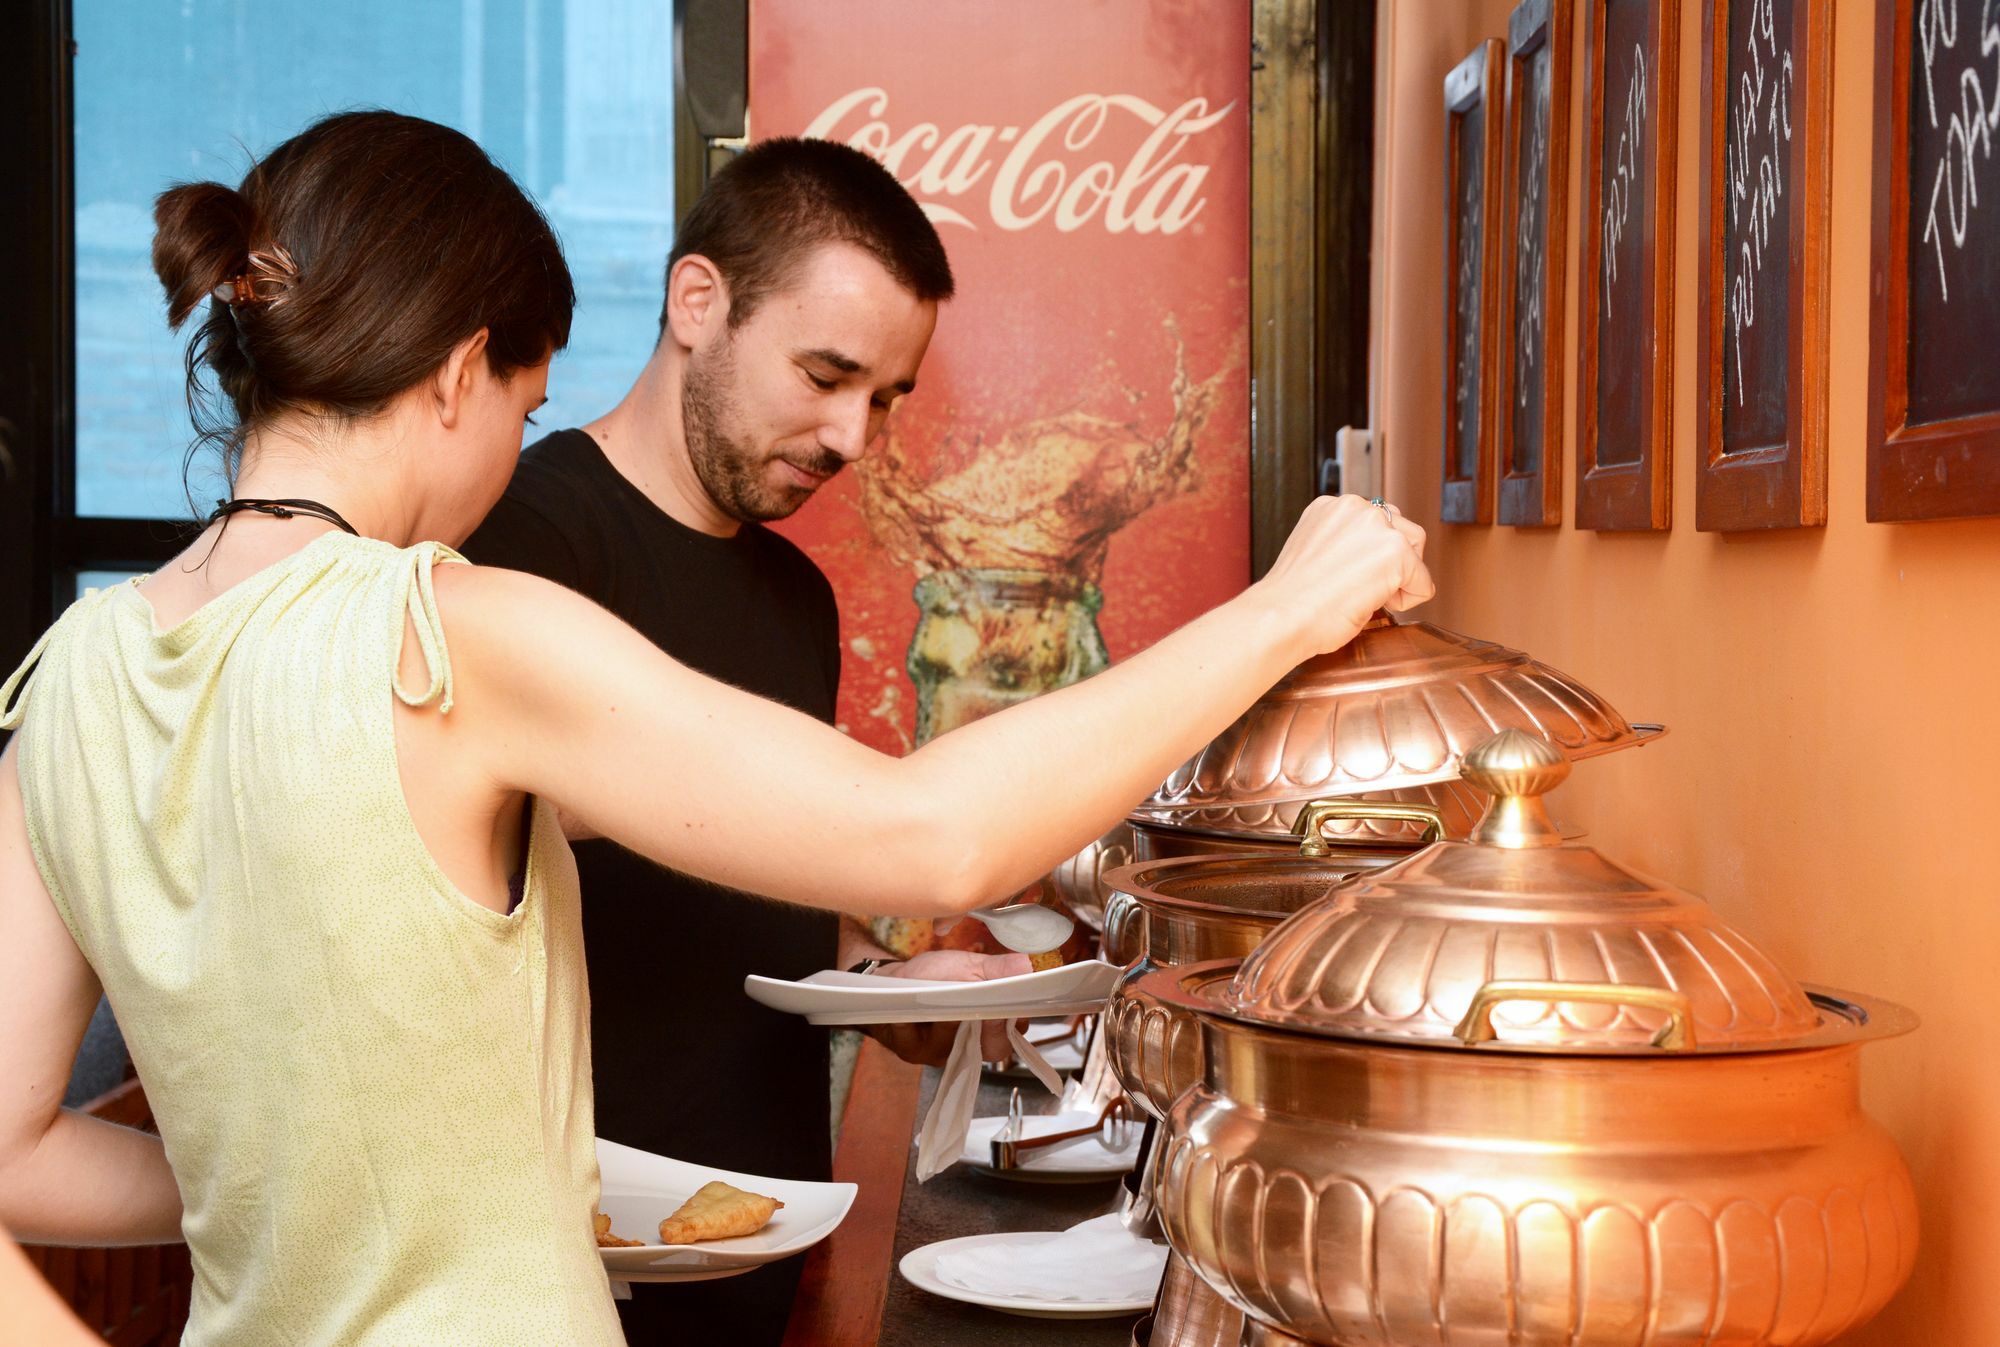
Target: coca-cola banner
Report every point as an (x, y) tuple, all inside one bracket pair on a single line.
[(1071, 479)]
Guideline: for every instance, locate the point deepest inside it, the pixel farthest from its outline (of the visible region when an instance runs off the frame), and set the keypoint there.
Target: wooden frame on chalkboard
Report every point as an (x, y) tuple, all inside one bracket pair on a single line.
[(1527, 424), (1766, 138), (1946, 466), (1471, 116), (1628, 483)]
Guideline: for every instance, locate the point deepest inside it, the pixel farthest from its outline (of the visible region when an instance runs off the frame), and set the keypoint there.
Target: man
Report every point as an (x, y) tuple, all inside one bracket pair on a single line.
[(801, 297)]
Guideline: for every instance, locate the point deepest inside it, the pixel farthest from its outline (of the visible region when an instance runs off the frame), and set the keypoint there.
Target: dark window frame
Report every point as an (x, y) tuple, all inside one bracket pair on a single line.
[(37, 349), (44, 543)]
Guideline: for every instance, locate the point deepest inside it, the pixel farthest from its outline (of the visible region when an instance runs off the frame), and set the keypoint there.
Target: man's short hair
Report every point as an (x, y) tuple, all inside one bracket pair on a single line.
[(778, 201)]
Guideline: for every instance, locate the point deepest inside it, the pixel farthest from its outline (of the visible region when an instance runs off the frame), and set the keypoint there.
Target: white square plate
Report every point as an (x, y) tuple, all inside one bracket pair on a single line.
[(867, 998), (641, 1189)]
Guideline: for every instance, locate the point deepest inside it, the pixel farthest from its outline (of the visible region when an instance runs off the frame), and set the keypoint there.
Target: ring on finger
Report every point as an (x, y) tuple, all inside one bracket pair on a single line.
[(1383, 506)]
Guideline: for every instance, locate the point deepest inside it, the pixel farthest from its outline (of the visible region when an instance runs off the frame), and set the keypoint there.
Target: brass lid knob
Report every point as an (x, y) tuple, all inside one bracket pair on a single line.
[(1516, 769)]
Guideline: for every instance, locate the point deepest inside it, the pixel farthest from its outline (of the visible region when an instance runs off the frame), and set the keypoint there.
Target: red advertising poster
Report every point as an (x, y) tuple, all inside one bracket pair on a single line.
[(1070, 481)]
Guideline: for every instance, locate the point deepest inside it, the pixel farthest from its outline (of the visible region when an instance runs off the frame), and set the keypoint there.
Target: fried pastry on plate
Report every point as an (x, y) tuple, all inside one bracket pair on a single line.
[(718, 1211), (607, 1240), (1041, 963)]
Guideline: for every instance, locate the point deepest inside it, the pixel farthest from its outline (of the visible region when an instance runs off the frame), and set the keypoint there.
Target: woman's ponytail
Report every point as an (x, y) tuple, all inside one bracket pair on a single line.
[(201, 239)]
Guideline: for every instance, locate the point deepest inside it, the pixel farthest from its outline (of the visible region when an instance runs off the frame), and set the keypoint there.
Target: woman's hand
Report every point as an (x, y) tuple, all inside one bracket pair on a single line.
[(1346, 558), (930, 1044), (34, 1312)]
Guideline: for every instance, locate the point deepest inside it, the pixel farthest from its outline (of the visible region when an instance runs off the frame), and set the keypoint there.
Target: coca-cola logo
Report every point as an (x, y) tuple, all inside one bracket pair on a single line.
[(1041, 172)]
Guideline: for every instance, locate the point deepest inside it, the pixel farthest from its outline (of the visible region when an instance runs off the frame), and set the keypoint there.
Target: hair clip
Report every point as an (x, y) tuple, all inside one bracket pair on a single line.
[(273, 265)]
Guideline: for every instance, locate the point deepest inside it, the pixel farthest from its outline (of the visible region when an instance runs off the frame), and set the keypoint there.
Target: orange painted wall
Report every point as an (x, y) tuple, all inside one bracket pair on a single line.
[(1833, 773)]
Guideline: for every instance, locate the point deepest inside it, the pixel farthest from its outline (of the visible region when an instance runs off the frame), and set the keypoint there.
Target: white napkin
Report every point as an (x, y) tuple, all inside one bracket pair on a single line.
[(941, 1139), (1098, 1260), (1095, 1084)]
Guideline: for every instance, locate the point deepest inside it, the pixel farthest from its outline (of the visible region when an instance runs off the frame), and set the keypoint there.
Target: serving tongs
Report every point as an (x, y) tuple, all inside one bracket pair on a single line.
[(1114, 1124)]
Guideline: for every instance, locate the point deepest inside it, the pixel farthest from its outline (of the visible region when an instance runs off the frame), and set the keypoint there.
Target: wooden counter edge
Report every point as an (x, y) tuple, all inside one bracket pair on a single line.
[(846, 1277)]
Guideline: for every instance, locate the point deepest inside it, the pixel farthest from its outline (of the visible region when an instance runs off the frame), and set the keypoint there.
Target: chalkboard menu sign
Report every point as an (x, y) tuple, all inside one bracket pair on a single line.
[(1626, 310), (1765, 124), (1473, 151), (1529, 425), (1934, 397)]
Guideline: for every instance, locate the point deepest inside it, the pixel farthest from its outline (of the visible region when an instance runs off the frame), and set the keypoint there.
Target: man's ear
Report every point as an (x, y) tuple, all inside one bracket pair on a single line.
[(452, 384), (697, 301)]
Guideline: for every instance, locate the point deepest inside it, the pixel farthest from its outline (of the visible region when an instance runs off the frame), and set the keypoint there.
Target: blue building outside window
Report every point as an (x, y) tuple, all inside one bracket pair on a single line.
[(575, 98)]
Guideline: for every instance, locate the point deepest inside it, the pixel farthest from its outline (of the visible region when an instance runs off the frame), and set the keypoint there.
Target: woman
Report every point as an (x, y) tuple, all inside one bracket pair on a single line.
[(339, 926), (35, 1317)]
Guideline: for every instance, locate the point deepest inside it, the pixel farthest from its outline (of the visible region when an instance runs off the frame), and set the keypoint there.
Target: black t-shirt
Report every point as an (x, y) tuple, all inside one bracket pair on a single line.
[(686, 1065)]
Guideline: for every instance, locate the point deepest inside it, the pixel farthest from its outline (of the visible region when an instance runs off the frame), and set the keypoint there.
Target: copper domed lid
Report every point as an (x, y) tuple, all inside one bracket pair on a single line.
[(1389, 716), (1516, 936)]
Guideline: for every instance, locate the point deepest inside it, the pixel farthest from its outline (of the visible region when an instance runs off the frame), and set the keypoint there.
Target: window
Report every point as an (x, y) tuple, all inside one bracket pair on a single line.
[(573, 97), (88, 580)]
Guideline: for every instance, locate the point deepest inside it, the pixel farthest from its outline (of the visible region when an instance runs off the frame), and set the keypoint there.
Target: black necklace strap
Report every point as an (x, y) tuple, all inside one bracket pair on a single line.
[(281, 509)]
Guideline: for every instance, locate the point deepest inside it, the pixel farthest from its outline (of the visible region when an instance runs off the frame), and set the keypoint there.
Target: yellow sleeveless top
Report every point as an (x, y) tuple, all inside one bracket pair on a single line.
[(374, 1091)]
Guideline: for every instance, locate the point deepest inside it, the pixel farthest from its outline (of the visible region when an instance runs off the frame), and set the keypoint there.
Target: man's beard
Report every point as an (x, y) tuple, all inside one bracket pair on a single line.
[(731, 473)]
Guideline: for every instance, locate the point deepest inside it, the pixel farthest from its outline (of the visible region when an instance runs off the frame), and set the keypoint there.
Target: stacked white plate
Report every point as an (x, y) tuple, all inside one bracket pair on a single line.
[(867, 998), (1096, 1270)]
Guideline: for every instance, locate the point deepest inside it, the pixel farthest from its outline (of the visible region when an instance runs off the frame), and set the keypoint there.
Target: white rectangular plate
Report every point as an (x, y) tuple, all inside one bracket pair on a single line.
[(641, 1189), (867, 998)]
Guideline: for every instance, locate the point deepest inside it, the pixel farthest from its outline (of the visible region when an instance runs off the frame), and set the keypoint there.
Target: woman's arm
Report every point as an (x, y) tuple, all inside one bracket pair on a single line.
[(34, 1316), (65, 1177), (748, 793)]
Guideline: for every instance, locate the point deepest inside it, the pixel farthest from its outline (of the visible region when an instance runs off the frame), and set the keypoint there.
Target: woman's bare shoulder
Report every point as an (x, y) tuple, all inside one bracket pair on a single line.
[(481, 592), (526, 633)]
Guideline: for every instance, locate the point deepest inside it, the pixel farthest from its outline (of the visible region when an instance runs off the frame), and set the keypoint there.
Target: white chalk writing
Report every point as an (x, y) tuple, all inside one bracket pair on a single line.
[(1471, 208), (1762, 96), (1036, 179), (1528, 237), (1625, 169), (1972, 124)]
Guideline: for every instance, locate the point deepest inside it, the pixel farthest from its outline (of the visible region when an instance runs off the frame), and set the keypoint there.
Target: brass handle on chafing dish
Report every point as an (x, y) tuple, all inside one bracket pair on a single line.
[(1321, 812), (1675, 1035)]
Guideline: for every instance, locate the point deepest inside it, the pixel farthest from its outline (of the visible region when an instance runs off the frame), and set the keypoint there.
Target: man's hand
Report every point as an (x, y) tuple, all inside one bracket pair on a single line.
[(930, 1044)]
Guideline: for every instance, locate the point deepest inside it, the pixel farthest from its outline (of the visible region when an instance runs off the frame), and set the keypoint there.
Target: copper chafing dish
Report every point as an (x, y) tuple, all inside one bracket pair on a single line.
[(1384, 720), (1387, 718), (1353, 758), (1197, 908), (1510, 1092), (1204, 905), (1194, 908)]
